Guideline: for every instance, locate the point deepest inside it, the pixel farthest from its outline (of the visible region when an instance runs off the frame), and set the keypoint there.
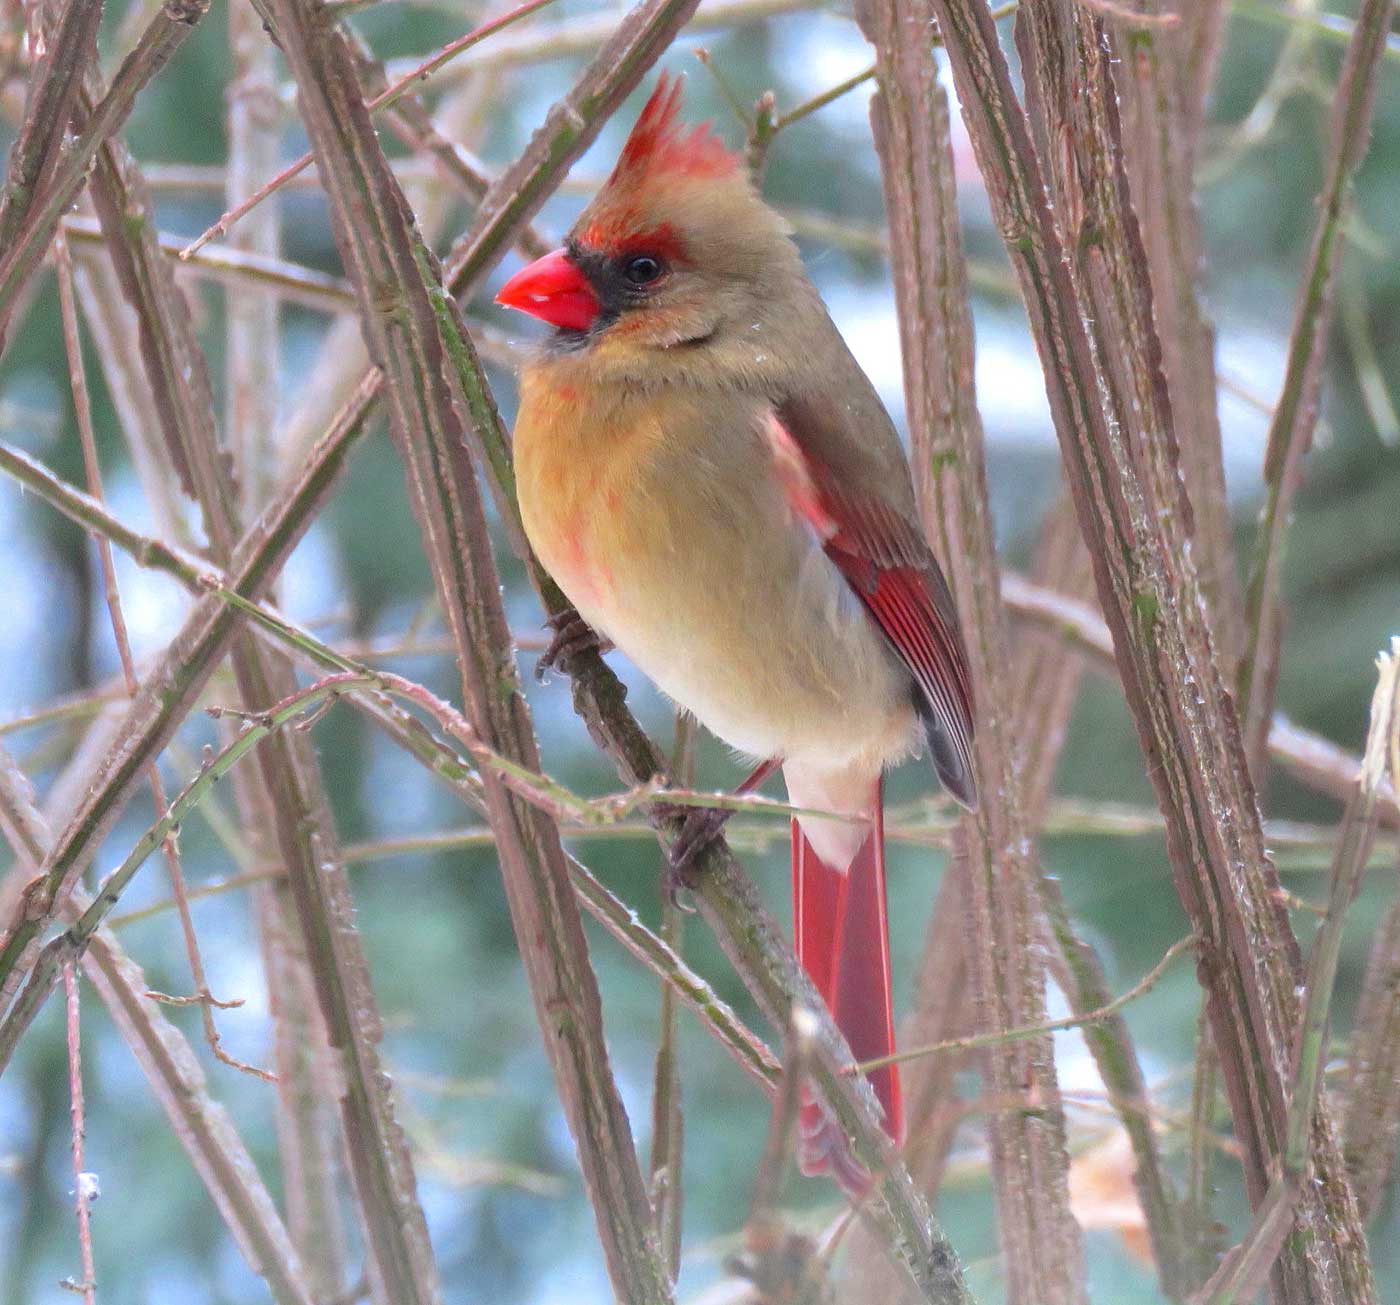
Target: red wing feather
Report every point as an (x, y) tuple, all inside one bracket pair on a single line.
[(891, 568)]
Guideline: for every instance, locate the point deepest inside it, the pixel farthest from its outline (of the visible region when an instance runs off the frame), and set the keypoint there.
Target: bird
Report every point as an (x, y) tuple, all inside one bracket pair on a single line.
[(714, 483)]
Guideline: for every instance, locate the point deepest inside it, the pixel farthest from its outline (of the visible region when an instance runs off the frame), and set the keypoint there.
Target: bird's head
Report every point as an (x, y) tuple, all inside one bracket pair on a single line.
[(675, 257)]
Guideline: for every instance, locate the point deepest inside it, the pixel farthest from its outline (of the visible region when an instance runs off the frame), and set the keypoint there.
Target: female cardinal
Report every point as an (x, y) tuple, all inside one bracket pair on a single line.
[(713, 482)]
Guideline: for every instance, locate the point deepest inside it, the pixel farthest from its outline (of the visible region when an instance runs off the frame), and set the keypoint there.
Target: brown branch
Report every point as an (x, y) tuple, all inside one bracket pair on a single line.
[(309, 1137), (1313, 760), (1371, 1109), (1047, 681), (1040, 1243), (54, 82), (782, 1265), (241, 270), (168, 690), (383, 98), (199, 1123), (1295, 417), (1090, 310), (68, 314), (590, 34), (394, 1227), (167, 31), (1159, 153), (393, 275), (83, 1182)]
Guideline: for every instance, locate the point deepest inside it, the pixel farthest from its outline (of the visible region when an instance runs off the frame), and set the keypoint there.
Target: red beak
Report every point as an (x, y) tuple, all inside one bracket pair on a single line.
[(554, 290)]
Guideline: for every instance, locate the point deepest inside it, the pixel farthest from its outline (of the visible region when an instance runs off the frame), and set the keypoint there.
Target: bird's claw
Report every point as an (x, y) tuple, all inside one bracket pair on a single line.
[(572, 635), (700, 827), (674, 884)]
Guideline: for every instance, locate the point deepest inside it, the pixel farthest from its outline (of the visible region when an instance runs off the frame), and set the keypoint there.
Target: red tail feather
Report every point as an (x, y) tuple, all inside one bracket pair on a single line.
[(843, 943)]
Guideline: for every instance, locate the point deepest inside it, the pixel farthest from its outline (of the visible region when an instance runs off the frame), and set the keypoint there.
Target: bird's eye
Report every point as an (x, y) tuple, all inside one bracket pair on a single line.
[(642, 269)]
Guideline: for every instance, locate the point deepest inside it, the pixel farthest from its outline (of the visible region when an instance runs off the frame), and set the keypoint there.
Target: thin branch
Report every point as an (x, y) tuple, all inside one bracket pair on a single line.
[(1365, 359), (412, 341), (1089, 304), (82, 408), (172, 684), (1204, 1237), (977, 1040), (1295, 418), (1313, 760), (666, 1162), (1353, 849), (84, 1183), (1041, 1248), (781, 1264), (310, 1139), (70, 946), (586, 34), (1245, 1269), (413, 124), (1371, 1118), (829, 96), (70, 49), (383, 100), (199, 1123), (166, 33), (242, 268)]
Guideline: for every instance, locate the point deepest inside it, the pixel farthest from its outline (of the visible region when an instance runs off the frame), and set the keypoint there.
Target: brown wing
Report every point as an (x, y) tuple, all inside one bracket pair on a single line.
[(891, 568)]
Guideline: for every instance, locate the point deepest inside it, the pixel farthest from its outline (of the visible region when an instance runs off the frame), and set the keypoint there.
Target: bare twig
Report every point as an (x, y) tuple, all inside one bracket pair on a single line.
[(665, 1164), (84, 1184), (1291, 431), (242, 269), (1244, 1270), (385, 258), (71, 945), (169, 849), (1313, 760), (1090, 310), (383, 100), (167, 31), (1001, 1036), (781, 1264), (310, 1139), (1204, 1238), (1371, 1117), (1353, 849), (1365, 360), (69, 49), (588, 34), (1038, 1236)]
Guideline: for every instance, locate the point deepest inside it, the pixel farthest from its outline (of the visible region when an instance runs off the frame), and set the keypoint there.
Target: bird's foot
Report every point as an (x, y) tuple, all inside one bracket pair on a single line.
[(701, 826), (572, 635)]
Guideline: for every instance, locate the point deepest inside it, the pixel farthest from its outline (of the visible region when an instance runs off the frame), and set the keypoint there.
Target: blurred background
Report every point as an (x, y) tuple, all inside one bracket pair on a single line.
[(496, 1168)]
